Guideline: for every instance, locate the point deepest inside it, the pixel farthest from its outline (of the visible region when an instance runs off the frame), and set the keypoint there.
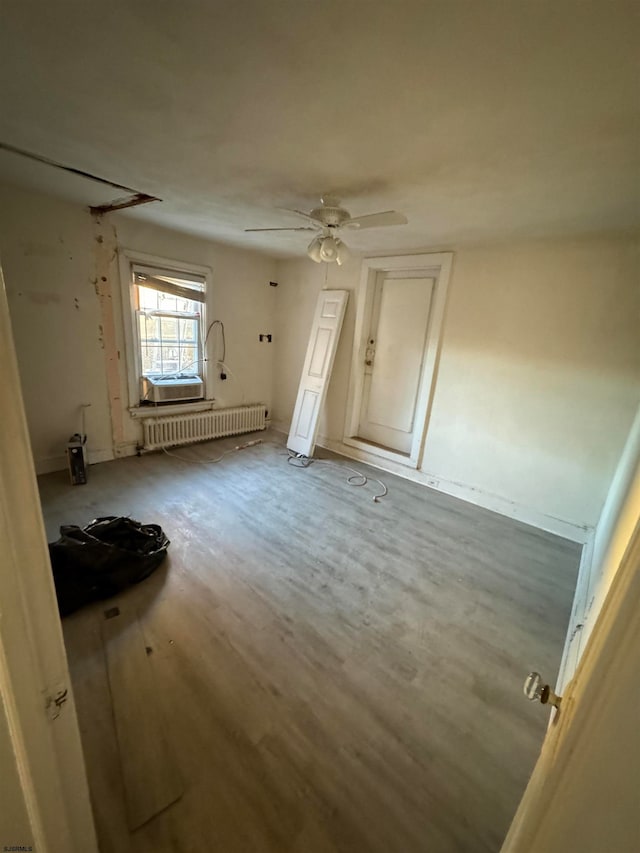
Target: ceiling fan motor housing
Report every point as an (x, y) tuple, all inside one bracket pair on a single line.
[(331, 216)]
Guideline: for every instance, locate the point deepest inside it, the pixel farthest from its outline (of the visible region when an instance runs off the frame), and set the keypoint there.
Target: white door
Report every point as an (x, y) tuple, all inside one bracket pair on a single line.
[(323, 342), (394, 358), (39, 735)]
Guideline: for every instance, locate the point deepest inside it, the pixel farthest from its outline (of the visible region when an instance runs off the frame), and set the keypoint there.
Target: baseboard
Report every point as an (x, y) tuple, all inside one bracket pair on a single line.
[(50, 464), (59, 463), (470, 494), (127, 448), (96, 456), (280, 426)]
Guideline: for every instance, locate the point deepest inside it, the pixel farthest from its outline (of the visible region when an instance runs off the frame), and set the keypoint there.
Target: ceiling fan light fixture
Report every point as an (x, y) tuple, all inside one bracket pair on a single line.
[(343, 253), (314, 249), (329, 249)]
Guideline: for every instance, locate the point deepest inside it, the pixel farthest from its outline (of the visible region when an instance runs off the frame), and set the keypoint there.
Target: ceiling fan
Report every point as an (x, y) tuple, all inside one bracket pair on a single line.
[(327, 221)]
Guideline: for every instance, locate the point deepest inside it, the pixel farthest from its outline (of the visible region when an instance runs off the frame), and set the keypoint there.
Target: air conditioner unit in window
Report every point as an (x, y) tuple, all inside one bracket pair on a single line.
[(171, 389)]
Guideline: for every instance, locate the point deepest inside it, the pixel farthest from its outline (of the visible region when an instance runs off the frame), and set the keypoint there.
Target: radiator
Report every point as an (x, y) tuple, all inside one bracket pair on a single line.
[(200, 426)]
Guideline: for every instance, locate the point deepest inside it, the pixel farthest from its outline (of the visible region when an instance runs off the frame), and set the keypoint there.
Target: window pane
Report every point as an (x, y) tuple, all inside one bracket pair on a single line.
[(151, 360), (149, 329), (188, 330), (169, 328), (169, 345), (188, 359)]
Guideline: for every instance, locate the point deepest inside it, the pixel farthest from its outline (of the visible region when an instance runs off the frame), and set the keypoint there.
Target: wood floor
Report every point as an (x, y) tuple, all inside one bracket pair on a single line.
[(335, 674)]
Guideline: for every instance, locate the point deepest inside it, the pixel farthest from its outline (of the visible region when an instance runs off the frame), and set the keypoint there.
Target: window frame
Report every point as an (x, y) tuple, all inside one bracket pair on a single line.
[(128, 259), (197, 316)]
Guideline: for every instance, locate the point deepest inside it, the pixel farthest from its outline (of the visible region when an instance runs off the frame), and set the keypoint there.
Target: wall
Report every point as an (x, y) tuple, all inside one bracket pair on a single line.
[(539, 375), (47, 257), (48, 251)]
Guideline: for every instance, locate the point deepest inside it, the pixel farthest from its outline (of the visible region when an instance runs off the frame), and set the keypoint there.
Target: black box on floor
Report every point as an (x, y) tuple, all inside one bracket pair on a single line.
[(77, 458)]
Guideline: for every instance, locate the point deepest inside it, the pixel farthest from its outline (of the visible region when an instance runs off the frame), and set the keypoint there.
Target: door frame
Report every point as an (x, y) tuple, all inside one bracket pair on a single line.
[(35, 686), (432, 265)]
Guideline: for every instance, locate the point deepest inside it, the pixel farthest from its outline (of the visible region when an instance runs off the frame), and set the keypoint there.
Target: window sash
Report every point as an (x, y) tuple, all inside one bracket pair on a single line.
[(180, 344)]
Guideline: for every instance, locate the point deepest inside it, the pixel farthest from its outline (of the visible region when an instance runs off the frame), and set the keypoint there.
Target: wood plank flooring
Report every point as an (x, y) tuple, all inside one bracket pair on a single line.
[(150, 775), (338, 675)]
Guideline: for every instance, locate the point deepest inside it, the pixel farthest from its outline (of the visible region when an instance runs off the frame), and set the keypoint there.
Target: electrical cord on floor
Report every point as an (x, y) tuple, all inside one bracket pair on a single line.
[(297, 460), (211, 460), (300, 461)]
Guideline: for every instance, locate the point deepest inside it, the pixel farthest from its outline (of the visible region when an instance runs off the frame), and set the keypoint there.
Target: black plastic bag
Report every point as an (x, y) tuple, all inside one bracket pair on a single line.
[(103, 558)]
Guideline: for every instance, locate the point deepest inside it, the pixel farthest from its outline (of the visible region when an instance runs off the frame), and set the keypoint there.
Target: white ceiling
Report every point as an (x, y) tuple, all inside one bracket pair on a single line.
[(480, 120)]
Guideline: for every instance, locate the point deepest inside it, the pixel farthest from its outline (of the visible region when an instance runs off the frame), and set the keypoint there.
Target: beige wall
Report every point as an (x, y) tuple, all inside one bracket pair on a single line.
[(242, 298), (47, 257), (539, 375), (48, 253)]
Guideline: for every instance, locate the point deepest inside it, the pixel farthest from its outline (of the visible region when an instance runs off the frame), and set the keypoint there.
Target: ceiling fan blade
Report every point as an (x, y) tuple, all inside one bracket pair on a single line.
[(302, 228), (300, 213), (376, 220)]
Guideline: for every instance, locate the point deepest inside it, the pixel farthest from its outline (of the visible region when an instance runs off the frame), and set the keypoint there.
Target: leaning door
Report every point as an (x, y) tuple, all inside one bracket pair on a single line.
[(394, 359), (323, 342)]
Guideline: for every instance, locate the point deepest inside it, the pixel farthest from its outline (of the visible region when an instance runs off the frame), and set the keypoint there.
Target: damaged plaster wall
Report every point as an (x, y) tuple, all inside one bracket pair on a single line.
[(62, 278), (105, 252), (46, 251)]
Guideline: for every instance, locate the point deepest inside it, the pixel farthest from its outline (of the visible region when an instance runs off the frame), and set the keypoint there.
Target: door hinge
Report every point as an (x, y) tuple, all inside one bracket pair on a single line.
[(53, 704)]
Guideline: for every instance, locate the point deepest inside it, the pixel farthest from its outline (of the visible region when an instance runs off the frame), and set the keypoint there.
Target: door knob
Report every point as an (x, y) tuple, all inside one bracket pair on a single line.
[(534, 688)]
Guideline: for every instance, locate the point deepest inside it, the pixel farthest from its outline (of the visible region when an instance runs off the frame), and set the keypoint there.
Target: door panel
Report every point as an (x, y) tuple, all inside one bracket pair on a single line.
[(320, 353), (394, 360), (323, 342)]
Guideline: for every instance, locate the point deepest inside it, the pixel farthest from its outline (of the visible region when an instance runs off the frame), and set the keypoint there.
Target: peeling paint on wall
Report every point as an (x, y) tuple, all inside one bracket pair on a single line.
[(105, 250)]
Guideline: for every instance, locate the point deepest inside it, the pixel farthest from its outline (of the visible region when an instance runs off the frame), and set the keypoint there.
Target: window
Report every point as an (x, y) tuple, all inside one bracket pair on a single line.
[(169, 308)]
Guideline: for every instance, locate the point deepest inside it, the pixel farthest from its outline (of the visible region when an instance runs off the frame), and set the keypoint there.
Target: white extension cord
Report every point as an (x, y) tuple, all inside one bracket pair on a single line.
[(218, 458)]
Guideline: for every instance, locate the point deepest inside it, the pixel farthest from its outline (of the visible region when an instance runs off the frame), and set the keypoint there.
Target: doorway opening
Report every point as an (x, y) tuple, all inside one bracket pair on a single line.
[(401, 304)]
